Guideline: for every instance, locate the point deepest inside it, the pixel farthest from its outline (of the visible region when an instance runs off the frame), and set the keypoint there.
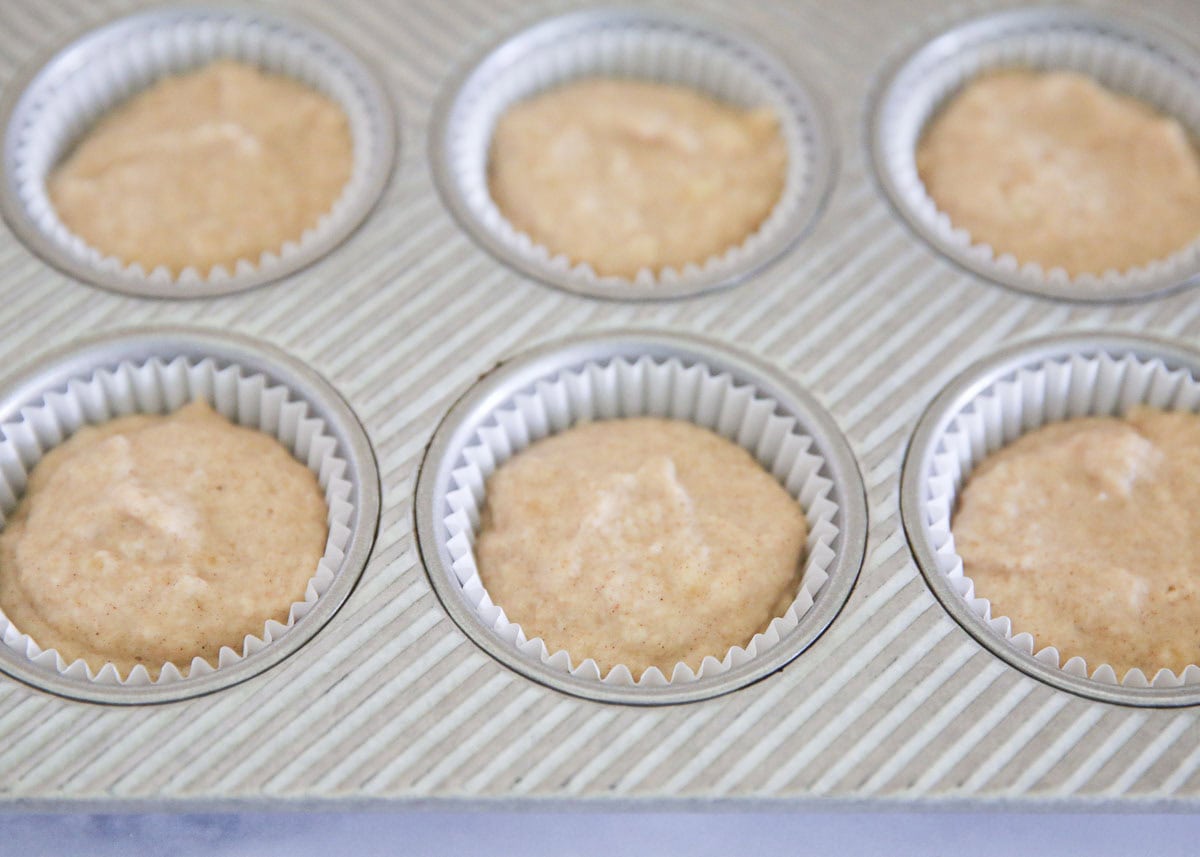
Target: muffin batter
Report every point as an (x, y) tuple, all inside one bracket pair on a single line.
[(1086, 534), (151, 539), (626, 175), (1055, 169), (642, 542), (206, 169)]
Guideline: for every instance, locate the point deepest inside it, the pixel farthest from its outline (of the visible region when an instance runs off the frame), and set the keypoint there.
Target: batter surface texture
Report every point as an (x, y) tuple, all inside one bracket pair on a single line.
[(151, 539), (642, 542), (626, 175), (1055, 169), (206, 169), (1086, 534)]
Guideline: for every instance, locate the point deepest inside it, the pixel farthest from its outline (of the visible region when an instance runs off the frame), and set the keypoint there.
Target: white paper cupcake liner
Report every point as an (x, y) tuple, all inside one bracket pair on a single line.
[(48, 111), (641, 378), (628, 44), (989, 407), (1122, 55), (39, 419)]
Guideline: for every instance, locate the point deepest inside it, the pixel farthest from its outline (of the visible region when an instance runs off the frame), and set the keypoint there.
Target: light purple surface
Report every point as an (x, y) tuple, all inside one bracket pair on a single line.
[(574, 834)]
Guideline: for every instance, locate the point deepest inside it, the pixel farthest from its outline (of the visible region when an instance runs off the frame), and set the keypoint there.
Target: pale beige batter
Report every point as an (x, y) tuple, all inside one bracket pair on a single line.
[(1086, 534), (626, 175), (642, 542), (1055, 169), (151, 539), (206, 169)]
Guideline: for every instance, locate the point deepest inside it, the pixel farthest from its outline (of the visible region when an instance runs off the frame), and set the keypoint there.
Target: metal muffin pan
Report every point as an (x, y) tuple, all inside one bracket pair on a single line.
[(964, 394), (479, 408), (53, 104), (1122, 52), (392, 704), (80, 362)]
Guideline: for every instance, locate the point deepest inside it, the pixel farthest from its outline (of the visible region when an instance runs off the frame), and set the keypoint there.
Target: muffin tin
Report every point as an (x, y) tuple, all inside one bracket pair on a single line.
[(45, 112), (391, 702), (682, 49), (157, 370), (989, 406), (1122, 53), (619, 374)]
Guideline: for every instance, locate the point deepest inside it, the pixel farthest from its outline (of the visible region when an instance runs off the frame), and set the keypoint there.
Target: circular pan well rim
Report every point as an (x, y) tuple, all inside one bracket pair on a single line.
[(509, 49), (950, 401), (76, 49), (52, 372), (948, 41), (520, 373)]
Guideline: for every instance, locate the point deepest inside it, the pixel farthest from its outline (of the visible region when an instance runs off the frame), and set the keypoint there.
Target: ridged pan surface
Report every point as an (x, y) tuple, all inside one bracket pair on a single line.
[(391, 703)]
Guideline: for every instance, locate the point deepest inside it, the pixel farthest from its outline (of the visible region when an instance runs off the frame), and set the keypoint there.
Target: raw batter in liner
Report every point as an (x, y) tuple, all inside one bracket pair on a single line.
[(642, 542), (151, 539), (626, 175), (1055, 169), (205, 169), (1086, 534)]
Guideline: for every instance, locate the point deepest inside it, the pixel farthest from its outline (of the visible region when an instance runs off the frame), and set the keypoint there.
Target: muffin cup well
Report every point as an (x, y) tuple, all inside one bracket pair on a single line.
[(989, 406), (1123, 55), (51, 108), (158, 371), (627, 374), (628, 43)]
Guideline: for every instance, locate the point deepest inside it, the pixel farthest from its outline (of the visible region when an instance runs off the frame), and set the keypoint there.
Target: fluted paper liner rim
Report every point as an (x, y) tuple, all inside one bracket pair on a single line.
[(1049, 391), (643, 46), (621, 387), (1124, 57), (161, 386), (128, 55)]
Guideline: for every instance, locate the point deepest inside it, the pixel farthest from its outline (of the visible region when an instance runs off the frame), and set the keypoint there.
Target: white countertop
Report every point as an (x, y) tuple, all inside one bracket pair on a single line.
[(573, 833)]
